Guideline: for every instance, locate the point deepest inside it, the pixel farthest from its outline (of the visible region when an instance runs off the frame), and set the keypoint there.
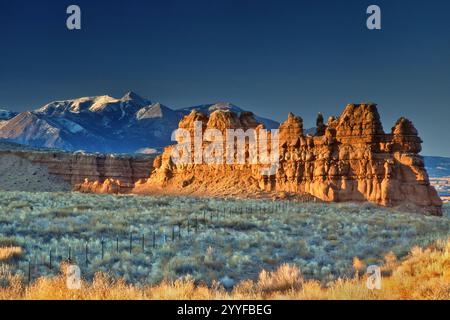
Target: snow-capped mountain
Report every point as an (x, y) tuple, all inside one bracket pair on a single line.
[(102, 124)]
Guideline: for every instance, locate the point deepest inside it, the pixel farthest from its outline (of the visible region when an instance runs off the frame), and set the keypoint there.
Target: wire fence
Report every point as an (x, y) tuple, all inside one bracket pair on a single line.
[(85, 252)]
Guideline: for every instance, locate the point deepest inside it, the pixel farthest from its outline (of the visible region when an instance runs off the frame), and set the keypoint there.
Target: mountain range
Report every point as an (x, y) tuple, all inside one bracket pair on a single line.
[(102, 124)]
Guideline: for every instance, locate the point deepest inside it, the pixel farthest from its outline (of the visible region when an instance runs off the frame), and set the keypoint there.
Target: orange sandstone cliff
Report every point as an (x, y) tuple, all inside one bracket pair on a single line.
[(350, 158), (25, 169)]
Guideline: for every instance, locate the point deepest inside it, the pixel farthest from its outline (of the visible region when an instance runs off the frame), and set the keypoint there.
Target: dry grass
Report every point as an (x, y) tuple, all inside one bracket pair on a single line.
[(423, 274), (9, 253), (234, 240)]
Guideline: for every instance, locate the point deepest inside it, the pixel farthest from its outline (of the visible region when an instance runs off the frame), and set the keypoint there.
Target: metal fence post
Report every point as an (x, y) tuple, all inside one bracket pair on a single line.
[(29, 270), (86, 253), (103, 251), (154, 239), (131, 242), (196, 224)]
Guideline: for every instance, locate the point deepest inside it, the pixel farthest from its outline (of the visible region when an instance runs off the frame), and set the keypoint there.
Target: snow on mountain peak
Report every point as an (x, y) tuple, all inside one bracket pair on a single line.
[(133, 96), (101, 102), (76, 105), (155, 110), (94, 104)]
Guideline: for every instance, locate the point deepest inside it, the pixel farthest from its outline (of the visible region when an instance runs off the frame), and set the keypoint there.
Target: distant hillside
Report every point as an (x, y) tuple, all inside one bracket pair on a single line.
[(6, 115), (437, 167)]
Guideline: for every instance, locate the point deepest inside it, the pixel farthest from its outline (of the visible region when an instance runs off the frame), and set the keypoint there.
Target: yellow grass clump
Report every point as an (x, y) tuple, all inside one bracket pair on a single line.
[(9, 253), (423, 274)]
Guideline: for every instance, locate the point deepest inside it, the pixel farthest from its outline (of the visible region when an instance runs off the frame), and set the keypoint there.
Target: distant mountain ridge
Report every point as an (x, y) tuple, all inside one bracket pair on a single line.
[(437, 167), (102, 123), (210, 108), (6, 114)]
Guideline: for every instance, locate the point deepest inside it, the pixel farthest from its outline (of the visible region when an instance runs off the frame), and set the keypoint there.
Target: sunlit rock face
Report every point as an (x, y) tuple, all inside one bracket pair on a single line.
[(356, 161), (36, 170), (350, 158)]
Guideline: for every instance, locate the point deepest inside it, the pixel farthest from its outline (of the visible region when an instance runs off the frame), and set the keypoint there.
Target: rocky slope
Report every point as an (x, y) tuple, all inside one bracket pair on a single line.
[(27, 169), (100, 124), (350, 158)]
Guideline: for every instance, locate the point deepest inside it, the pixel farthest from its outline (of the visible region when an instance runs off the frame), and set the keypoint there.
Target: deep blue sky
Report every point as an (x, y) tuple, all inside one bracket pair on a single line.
[(270, 57)]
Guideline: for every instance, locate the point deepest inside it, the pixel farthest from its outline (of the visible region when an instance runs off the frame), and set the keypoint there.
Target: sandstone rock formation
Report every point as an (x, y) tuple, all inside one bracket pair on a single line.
[(114, 173), (350, 158)]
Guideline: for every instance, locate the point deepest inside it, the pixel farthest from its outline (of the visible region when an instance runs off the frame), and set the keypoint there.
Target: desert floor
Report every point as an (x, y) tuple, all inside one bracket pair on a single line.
[(146, 240)]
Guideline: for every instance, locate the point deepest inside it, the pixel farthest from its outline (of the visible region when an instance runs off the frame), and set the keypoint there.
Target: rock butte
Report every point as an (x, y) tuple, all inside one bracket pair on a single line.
[(350, 158)]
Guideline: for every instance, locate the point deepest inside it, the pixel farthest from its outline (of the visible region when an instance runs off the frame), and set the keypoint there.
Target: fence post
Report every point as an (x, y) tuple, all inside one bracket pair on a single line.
[(131, 242), (179, 231), (188, 227), (154, 239), (117, 245), (103, 243), (173, 233), (70, 253), (50, 259), (143, 243), (29, 270), (86, 253), (196, 224)]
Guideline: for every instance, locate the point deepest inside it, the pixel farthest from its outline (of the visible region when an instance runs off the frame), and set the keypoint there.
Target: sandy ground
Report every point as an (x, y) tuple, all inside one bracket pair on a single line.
[(19, 174), (229, 194)]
